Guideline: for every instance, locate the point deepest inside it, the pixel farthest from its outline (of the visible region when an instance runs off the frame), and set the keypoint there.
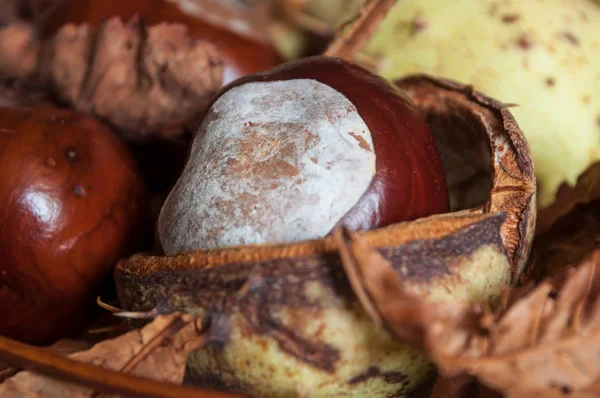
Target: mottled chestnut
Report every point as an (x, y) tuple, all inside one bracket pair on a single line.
[(230, 25), (289, 154), (71, 198), (294, 325)]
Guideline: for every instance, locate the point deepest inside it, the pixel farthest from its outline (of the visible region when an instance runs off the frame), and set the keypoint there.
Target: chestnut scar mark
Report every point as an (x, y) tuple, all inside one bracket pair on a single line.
[(361, 141), (70, 153)]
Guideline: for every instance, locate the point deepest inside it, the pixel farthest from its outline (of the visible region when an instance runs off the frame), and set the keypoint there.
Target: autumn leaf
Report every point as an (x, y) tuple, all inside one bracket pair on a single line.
[(547, 341), (158, 351), (569, 230), (568, 198), (154, 81), (541, 339), (454, 325)]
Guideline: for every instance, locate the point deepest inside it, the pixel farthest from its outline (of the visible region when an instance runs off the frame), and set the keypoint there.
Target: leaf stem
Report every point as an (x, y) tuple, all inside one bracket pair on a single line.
[(43, 362)]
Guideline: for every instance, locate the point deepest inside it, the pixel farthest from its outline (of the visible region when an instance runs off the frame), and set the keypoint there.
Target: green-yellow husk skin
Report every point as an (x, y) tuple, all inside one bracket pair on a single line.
[(542, 55)]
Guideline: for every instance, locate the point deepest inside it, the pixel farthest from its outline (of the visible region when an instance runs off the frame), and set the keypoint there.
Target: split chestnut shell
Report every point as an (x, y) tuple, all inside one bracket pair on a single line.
[(293, 324)]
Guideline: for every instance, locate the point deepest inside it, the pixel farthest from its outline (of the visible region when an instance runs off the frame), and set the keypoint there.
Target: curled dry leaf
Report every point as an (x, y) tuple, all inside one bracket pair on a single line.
[(548, 340), (405, 314), (145, 81), (158, 351), (568, 198), (541, 339), (569, 230)]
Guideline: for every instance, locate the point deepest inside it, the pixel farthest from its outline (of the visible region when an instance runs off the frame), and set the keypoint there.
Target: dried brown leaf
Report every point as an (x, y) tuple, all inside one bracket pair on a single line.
[(542, 339), (568, 242), (569, 230), (145, 81), (547, 341), (158, 352), (586, 190), (456, 326)]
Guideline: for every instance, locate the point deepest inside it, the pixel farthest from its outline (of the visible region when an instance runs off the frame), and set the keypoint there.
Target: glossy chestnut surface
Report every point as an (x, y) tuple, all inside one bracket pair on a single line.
[(71, 200), (242, 55), (410, 178)]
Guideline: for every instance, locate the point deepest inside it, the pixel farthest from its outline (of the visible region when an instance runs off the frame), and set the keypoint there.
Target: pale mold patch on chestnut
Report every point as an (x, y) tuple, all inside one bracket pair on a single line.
[(278, 161)]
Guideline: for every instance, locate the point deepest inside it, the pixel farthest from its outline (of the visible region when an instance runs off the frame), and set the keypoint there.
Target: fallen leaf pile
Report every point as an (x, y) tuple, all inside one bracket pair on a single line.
[(154, 81)]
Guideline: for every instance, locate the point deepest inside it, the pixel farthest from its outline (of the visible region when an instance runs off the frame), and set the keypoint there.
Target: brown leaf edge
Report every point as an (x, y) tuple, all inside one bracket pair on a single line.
[(546, 341), (403, 313), (569, 230), (47, 363), (541, 340), (568, 197)]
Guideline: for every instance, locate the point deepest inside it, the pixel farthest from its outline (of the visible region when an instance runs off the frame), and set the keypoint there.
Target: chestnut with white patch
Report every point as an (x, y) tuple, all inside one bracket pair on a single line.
[(289, 154)]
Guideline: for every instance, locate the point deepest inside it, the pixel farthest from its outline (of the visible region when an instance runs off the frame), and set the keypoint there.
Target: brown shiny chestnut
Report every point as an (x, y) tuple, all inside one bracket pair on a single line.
[(244, 51), (71, 200), (291, 153)]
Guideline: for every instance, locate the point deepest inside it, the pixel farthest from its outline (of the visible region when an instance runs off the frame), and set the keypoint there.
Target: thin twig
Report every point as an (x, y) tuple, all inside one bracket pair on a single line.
[(153, 313), (351, 41), (106, 306), (118, 312), (43, 362)]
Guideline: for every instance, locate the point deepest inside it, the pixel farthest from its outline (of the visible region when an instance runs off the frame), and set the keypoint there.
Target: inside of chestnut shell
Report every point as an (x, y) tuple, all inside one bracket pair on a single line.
[(464, 144)]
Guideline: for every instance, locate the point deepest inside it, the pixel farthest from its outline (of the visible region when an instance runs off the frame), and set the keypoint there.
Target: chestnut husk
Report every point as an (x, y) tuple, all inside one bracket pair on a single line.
[(294, 324)]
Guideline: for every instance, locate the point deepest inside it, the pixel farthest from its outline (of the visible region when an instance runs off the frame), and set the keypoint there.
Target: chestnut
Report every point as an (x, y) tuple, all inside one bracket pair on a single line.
[(291, 153), (230, 27), (71, 200)]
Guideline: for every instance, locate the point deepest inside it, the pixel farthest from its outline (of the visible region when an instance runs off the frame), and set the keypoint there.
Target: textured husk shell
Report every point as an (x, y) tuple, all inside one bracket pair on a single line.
[(294, 324)]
